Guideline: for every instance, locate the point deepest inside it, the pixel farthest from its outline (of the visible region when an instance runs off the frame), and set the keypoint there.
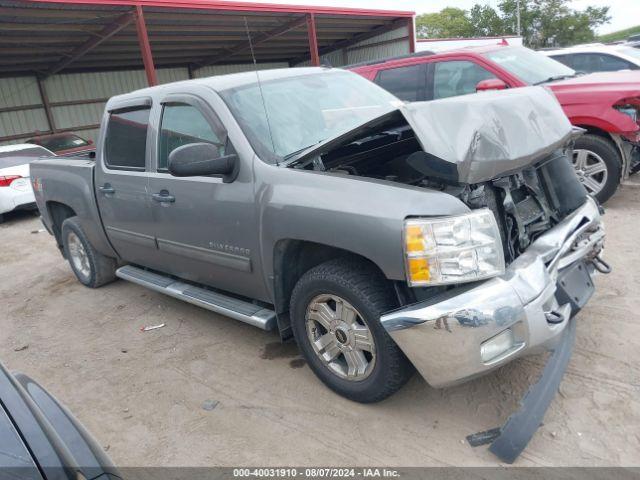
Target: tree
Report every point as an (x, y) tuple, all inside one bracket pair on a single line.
[(449, 22), (543, 22), (485, 21), (551, 22)]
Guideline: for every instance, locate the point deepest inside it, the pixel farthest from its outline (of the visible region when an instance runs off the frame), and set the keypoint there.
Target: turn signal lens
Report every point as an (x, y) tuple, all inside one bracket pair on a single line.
[(456, 249), (419, 269)]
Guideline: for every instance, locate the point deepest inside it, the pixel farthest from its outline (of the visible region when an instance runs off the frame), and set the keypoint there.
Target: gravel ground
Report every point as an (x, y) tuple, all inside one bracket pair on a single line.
[(143, 395)]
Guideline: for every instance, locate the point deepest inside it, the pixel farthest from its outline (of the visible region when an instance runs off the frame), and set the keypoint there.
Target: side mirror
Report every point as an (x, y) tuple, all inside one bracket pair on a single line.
[(90, 142), (199, 159), (490, 84)]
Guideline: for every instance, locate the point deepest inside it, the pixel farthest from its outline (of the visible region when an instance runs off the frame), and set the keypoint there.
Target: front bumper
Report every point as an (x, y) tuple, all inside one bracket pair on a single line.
[(443, 336)]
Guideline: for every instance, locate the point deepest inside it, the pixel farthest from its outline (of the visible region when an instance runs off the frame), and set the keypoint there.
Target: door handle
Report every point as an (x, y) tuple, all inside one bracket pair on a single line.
[(107, 189), (163, 197)]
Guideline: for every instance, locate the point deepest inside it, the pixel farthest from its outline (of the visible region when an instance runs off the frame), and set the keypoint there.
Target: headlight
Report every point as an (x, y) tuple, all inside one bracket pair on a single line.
[(455, 249)]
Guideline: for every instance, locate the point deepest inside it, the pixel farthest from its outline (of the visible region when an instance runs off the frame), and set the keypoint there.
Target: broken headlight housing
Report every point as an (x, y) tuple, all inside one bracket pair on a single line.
[(629, 109), (455, 249)]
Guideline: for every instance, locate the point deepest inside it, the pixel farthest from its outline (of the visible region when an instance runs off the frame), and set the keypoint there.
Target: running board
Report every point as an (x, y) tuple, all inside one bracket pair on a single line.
[(247, 312)]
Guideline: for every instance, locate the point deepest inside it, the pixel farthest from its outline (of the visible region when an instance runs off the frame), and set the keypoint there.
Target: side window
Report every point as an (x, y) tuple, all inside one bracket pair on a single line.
[(183, 124), (609, 63), (568, 60), (126, 141), (582, 62), (406, 83), (457, 77)]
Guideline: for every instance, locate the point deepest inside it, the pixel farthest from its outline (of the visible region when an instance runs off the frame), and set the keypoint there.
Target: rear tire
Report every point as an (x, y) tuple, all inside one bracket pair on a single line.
[(598, 165), (352, 294), (91, 268)]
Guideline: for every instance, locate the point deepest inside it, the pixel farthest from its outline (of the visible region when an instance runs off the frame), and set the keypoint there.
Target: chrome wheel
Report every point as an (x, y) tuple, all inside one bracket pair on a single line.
[(340, 337), (591, 170), (78, 255)]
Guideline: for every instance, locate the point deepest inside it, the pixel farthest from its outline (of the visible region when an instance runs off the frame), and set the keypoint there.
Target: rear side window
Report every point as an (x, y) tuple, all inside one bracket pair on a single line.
[(609, 63), (126, 141), (183, 124), (406, 83), (458, 77)]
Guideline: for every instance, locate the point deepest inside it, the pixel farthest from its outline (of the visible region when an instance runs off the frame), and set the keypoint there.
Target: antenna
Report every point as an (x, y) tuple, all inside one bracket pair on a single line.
[(264, 104)]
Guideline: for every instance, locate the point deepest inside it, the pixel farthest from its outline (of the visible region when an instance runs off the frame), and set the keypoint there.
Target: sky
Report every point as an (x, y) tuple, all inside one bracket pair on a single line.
[(624, 13)]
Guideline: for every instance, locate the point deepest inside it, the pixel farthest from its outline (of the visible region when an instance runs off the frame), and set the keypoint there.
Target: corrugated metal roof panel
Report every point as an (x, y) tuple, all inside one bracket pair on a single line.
[(77, 115), (16, 91), (23, 121), (212, 70), (169, 75), (391, 35), (85, 86), (377, 52)]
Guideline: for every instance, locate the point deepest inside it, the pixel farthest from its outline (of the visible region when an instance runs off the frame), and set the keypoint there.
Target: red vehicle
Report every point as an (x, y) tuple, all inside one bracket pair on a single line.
[(606, 104), (63, 143)]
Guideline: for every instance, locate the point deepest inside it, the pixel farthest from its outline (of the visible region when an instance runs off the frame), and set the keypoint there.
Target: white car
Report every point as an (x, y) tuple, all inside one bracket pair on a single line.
[(15, 185), (597, 57)]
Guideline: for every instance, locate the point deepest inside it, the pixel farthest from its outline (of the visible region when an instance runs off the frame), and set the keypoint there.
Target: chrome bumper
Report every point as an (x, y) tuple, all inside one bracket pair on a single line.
[(442, 336)]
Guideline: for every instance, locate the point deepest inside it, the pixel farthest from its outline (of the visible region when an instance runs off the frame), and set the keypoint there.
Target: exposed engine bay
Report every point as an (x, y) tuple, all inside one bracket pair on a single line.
[(526, 202)]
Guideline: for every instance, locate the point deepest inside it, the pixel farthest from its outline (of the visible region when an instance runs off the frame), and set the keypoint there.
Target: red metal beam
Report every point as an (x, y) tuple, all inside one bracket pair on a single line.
[(46, 105), (104, 34), (239, 7), (145, 48), (257, 40), (313, 40), (412, 35)]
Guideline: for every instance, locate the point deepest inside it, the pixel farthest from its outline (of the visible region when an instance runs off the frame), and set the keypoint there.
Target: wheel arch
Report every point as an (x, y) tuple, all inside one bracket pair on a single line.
[(59, 212), (293, 258)]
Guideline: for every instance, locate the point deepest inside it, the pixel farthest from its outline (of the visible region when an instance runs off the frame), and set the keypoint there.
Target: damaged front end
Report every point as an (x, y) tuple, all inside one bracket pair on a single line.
[(508, 152)]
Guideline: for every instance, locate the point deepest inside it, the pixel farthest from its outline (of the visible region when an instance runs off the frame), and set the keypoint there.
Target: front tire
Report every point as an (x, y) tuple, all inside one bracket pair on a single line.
[(335, 311), (91, 268), (598, 165)]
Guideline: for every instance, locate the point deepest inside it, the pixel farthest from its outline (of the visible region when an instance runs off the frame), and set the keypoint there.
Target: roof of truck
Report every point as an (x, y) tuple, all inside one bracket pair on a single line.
[(224, 82)]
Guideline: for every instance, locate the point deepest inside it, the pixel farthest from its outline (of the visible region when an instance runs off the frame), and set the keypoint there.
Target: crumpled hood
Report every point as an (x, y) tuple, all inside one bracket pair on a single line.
[(473, 138), (490, 134)]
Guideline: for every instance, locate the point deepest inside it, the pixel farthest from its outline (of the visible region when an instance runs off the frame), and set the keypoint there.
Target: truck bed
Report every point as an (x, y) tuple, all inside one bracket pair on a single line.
[(69, 181)]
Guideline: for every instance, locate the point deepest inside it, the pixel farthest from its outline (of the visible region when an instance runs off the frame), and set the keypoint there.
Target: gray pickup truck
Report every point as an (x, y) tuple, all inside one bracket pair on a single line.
[(450, 236)]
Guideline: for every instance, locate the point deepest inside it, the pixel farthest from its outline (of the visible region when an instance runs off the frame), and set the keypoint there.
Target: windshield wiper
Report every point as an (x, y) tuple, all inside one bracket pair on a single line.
[(554, 78), (297, 152)]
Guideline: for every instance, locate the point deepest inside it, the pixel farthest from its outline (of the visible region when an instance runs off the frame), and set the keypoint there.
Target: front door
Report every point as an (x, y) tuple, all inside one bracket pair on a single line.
[(122, 183), (205, 228)]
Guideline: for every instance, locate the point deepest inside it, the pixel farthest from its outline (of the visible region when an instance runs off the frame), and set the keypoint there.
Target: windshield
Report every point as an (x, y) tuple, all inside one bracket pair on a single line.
[(531, 67), (304, 110), (630, 51)]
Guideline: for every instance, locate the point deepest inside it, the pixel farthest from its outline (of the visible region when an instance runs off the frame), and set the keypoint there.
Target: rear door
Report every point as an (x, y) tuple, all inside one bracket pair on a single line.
[(122, 182)]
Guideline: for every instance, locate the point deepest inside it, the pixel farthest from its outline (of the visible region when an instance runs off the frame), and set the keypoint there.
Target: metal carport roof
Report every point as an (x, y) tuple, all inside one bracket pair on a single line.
[(49, 36)]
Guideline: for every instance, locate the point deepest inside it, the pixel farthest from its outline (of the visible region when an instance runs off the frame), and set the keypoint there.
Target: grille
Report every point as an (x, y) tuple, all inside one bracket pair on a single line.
[(530, 202)]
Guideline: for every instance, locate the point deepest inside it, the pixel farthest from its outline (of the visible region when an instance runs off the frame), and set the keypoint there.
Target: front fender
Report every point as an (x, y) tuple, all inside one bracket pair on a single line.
[(356, 214), (606, 119)]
